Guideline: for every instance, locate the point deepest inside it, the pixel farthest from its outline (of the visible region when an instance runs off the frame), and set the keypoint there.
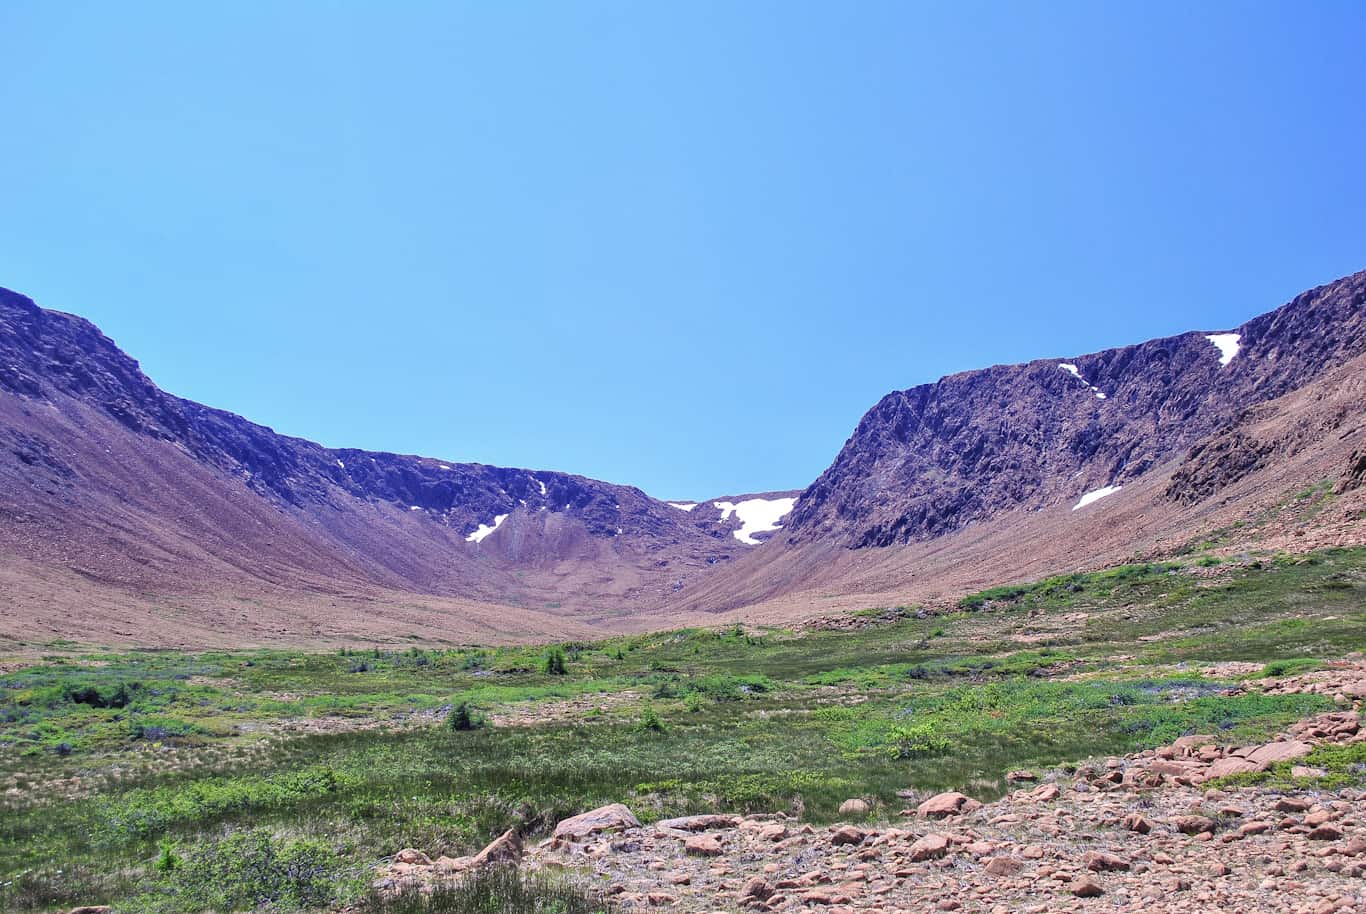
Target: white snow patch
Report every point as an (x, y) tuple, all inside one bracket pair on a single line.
[(756, 515), (682, 505), (485, 529), (1228, 346), (340, 464), (444, 467), (542, 485), (414, 507), (1096, 495), (1072, 369)]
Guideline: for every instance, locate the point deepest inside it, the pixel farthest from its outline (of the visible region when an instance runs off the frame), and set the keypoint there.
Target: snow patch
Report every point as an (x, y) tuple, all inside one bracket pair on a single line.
[(485, 529), (340, 464), (1228, 345), (1096, 495), (444, 467), (542, 485), (756, 515), (682, 505), (1072, 369), (414, 507)]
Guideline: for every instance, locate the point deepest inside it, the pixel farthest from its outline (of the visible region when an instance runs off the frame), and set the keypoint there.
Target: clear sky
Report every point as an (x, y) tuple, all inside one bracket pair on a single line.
[(677, 245)]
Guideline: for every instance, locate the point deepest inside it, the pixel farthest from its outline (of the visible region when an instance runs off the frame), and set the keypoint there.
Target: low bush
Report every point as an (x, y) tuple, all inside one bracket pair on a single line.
[(251, 869)]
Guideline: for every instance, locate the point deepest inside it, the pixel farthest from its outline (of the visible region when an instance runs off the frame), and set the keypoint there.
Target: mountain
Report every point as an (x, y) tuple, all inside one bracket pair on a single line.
[(124, 486), (129, 515), (935, 458)]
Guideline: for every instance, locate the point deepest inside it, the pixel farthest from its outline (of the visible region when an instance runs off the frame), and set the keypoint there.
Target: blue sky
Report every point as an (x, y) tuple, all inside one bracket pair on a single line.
[(682, 246)]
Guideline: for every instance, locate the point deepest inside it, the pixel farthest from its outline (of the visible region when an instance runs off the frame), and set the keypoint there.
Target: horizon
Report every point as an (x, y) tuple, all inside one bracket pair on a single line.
[(683, 250)]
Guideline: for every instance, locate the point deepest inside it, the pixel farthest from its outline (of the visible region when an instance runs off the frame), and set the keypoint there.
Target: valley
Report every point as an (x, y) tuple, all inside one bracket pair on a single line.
[(137, 778)]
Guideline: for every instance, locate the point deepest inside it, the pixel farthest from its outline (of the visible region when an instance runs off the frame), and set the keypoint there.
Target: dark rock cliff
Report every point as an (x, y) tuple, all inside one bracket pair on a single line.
[(938, 457)]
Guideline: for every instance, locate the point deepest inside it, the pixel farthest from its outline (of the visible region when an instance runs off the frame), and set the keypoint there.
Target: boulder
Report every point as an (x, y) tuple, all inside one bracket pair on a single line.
[(1044, 793), (1325, 833), (703, 846), (1280, 752), (1226, 766), (1193, 825), (1293, 804), (1004, 866), (506, 848), (1173, 767), (848, 835), (1086, 887), (929, 847), (758, 888), (698, 823), (605, 818), (947, 804), (1135, 822), (854, 807), (1100, 862)]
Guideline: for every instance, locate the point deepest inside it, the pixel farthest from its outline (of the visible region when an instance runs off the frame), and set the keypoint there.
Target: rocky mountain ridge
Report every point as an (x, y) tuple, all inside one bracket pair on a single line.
[(938, 457), (118, 496)]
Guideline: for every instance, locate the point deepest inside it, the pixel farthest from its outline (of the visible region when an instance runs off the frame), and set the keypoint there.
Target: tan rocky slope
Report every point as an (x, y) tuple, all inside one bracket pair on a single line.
[(128, 515), (1144, 833)]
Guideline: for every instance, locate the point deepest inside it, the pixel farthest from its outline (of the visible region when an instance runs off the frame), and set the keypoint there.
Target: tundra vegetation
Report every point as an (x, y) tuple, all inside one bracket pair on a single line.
[(162, 781)]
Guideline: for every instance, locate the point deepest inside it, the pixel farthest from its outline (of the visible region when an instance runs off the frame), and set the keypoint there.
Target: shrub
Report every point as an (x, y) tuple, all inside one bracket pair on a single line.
[(916, 740), (251, 869), (462, 718), (554, 662), (94, 696), (650, 722)]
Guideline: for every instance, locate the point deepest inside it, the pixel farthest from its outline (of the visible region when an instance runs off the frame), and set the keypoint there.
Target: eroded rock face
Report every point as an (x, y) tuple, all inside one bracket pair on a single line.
[(934, 458), (1355, 475)]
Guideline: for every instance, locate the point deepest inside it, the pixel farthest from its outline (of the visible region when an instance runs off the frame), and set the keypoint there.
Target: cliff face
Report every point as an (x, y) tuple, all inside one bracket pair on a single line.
[(938, 457)]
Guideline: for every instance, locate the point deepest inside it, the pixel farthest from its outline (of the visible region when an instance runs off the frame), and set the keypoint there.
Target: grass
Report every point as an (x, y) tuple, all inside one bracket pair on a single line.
[(165, 781), (494, 891)]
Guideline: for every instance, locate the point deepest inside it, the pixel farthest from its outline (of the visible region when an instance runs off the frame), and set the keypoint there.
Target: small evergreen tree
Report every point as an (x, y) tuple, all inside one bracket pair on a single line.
[(554, 662), (650, 722), (462, 718)]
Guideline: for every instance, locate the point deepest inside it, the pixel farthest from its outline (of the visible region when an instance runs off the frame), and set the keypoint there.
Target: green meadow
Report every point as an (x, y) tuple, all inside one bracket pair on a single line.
[(162, 781)]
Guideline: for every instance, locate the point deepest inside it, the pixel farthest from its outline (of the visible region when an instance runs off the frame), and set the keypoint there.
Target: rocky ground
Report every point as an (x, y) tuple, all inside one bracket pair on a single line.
[(1146, 832)]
